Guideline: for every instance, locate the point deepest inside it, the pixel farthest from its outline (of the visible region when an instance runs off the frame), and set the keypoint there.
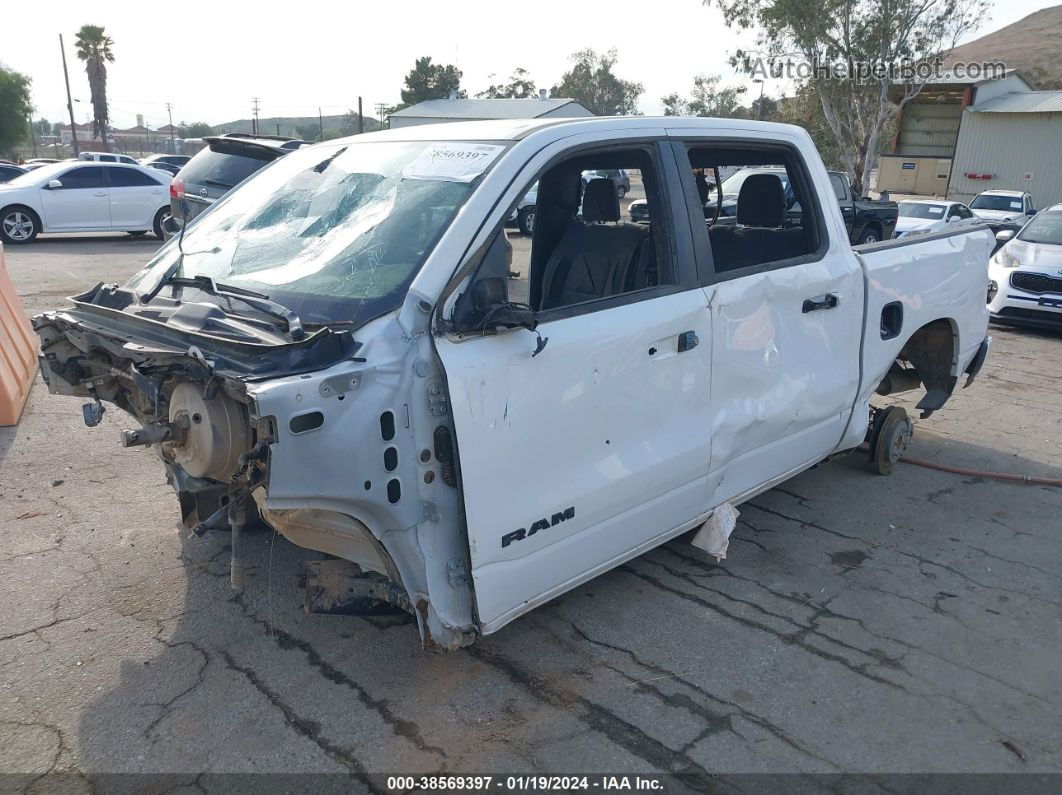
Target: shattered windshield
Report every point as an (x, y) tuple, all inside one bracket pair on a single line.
[(334, 232)]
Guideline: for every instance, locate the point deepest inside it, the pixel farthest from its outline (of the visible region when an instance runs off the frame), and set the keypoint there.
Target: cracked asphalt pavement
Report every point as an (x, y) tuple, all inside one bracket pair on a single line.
[(861, 624)]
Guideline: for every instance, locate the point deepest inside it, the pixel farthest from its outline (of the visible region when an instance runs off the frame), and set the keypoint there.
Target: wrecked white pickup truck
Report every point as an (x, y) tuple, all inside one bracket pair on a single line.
[(351, 348)]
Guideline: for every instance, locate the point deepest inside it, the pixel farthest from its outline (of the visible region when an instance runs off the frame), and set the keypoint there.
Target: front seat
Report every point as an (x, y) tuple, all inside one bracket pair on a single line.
[(595, 256)]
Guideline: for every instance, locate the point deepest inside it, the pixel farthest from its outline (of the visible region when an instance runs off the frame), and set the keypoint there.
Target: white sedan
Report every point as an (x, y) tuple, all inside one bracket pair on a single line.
[(80, 196), (922, 216)]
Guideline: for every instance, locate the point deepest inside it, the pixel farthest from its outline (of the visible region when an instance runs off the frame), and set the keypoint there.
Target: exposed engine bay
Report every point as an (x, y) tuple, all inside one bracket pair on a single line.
[(235, 425)]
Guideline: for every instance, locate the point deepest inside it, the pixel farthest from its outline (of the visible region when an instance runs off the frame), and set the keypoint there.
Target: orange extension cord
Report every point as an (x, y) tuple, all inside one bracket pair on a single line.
[(977, 473)]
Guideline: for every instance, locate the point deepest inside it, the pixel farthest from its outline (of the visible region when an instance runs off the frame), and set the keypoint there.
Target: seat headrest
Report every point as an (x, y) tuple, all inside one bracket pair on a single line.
[(600, 201), (761, 201)]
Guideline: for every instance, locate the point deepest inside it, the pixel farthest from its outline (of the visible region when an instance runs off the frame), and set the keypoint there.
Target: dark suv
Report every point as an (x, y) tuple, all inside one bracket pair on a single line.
[(227, 161)]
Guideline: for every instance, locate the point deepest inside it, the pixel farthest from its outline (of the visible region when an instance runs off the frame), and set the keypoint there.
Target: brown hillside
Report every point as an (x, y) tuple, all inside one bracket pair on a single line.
[(1030, 44)]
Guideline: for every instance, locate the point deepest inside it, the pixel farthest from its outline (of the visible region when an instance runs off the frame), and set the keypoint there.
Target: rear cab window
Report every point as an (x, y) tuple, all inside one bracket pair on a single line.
[(764, 216)]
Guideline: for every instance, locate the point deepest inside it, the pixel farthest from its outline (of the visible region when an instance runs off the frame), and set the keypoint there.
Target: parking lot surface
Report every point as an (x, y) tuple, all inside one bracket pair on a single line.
[(860, 623)]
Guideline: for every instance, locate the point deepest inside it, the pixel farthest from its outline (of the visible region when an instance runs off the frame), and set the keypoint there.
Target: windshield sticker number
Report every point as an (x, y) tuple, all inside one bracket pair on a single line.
[(1015, 205), (936, 210), (452, 162)]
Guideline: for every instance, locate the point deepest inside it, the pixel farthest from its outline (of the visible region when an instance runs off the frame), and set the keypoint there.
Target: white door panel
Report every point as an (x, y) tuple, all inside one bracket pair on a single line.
[(784, 378), (607, 417), (133, 206), (74, 206)]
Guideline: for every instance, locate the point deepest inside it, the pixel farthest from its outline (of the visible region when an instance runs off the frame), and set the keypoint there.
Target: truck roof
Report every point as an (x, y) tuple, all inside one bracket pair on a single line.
[(999, 192), (516, 129)]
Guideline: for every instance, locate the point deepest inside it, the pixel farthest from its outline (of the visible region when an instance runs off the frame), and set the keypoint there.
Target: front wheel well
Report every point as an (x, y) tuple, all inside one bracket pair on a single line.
[(29, 210)]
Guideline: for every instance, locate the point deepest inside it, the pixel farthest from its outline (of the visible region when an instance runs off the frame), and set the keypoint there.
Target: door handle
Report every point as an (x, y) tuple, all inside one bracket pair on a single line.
[(100, 194), (687, 340), (829, 301)]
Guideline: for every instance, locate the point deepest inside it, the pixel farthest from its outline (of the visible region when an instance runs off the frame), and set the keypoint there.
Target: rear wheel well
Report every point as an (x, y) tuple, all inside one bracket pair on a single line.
[(933, 352)]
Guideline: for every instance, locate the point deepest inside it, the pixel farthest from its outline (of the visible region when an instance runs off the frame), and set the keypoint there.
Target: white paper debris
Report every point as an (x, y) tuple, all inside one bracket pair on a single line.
[(714, 535), (452, 162)]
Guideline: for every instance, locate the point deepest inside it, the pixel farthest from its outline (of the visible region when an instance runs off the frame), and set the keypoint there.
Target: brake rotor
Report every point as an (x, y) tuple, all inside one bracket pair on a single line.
[(893, 435), (217, 432)]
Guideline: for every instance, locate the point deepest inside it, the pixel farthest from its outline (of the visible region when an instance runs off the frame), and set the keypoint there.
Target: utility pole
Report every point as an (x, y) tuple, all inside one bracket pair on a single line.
[(33, 134), (173, 142), (255, 103), (320, 125), (380, 108), (361, 118), (69, 101)]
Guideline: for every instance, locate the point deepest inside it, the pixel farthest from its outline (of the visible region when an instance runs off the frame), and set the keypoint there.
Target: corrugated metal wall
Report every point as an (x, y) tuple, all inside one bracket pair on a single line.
[(929, 129), (1009, 146)]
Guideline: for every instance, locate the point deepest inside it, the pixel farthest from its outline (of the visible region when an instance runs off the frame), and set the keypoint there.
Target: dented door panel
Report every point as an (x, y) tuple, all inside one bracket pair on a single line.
[(783, 378)]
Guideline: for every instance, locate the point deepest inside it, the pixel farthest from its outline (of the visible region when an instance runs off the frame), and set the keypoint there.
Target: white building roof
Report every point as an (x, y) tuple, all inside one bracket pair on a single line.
[(487, 108), (1023, 102)]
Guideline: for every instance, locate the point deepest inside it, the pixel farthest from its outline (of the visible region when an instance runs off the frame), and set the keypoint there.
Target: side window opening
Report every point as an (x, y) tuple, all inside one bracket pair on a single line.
[(838, 186), (597, 231), (763, 213)]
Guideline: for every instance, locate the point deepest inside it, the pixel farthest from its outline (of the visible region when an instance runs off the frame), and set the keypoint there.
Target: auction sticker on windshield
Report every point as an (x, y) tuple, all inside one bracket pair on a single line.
[(452, 162)]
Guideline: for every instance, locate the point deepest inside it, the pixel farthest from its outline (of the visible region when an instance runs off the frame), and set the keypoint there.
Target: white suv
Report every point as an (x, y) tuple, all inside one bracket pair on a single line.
[(106, 157), (1025, 275)]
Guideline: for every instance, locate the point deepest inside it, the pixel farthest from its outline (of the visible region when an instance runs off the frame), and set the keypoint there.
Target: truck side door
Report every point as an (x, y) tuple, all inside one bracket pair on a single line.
[(841, 190), (585, 441), (787, 316)]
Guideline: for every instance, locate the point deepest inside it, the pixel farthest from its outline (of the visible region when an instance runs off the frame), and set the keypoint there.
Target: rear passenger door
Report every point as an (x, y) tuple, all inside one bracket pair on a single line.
[(786, 307), (135, 197), (586, 443)]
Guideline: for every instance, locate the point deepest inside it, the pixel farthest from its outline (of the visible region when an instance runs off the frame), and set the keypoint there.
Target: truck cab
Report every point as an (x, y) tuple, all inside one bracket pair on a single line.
[(351, 347)]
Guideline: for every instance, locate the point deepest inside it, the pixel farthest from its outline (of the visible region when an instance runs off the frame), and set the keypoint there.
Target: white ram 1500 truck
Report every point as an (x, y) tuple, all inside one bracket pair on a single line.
[(352, 348)]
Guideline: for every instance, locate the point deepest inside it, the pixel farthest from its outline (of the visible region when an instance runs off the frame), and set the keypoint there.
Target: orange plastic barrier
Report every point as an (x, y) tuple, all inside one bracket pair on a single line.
[(18, 350)]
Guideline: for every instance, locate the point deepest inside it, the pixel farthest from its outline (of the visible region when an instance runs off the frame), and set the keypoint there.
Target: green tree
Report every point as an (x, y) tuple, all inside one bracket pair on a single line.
[(42, 126), (196, 129), (308, 132), (520, 86), (15, 108), (427, 80), (765, 108), (94, 48), (804, 109), (707, 99), (858, 50), (592, 82)]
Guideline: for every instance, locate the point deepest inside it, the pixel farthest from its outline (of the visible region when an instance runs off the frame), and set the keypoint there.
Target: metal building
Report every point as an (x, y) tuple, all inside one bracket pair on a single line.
[(436, 111), (1012, 142), (928, 131)]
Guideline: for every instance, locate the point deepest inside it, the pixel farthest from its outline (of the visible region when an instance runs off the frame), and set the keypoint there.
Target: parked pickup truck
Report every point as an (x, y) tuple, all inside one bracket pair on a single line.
[(867, 221), (349, 348)]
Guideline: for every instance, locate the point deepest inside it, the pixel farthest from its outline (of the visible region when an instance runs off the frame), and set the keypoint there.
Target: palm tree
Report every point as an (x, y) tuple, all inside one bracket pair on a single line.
[(94, 48)]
